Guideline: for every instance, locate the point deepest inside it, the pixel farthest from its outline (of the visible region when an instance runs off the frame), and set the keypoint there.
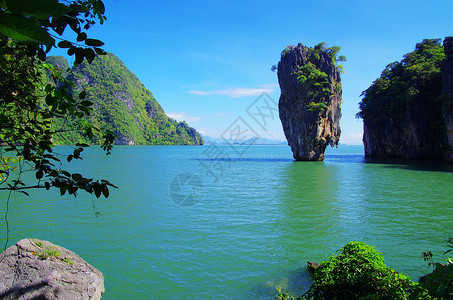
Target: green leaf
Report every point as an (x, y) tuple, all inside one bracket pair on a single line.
[(25, 193), (86, 103), (77, 176), (99, 7), (94, 43), (41, 9), (110, 184), (65, 173), (59, 24), (74, 23), (81, 36), (79, 55), (97, 189), (24, 30), (100, 51), (105, 191), (64, 44), (82, 95), (72, 50), (72, 189), (89, 54), (39, 174)]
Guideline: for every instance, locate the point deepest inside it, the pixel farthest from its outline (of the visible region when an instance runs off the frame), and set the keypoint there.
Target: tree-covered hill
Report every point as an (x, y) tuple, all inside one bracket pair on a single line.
[(123, 105), (402, 110)]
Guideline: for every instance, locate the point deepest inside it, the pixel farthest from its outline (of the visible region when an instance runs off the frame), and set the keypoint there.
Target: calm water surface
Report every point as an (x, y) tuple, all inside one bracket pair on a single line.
[(258, 217)]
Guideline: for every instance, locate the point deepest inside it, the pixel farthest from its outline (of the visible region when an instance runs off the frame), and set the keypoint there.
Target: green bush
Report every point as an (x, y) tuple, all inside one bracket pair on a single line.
[(358, 271), (439, 283)]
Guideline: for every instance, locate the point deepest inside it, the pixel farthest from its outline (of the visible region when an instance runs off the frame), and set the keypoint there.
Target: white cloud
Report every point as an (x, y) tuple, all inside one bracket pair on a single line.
[(236, 92), (183, 116)]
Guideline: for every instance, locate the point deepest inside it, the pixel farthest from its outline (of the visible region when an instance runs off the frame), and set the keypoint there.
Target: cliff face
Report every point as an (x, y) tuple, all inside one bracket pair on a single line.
[(402, 111), (447, 99), (414, 133), (415, 137), (122, 104), (310, 99)]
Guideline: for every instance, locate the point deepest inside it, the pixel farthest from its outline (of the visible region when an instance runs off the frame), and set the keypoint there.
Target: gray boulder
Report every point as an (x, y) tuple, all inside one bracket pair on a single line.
[(35, 269)]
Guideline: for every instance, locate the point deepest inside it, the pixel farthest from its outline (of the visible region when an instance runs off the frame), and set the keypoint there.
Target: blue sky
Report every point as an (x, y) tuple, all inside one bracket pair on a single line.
[(207, 62)]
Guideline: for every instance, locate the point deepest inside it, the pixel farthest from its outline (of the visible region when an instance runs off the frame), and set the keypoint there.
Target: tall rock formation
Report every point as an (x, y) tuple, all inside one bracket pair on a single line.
[(310, 99), (405, 110), (447, 99)]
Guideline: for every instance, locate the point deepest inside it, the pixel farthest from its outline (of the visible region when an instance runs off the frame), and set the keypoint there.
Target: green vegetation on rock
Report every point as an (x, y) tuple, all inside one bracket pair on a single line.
[(311, 95), (358, 271), (122, 105), (416, 78), (439, 283), (404, 111), (313, 79)]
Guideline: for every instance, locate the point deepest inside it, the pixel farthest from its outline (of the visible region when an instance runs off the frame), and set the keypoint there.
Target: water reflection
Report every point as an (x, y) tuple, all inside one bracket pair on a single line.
[(308, 217), (413, 164)]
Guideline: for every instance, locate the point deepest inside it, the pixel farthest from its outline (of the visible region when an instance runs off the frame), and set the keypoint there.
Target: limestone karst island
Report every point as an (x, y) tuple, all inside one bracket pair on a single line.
[(310, 100)]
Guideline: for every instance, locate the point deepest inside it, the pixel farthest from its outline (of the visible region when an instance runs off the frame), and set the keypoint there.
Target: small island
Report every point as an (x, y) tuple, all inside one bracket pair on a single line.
[(310, 100), (407, 112)]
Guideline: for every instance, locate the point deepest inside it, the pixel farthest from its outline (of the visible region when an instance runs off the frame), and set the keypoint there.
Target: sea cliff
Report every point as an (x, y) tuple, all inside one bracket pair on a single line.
[(407, 111), (309, 105)]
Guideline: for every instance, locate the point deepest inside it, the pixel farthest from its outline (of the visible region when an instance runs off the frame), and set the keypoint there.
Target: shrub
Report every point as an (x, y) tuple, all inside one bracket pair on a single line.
[(282, 295), (439, 283), (358, 271), (49, 253)]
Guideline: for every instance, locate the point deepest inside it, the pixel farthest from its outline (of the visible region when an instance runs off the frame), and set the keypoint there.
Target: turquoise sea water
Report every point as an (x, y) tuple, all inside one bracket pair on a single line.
[(234, 222)]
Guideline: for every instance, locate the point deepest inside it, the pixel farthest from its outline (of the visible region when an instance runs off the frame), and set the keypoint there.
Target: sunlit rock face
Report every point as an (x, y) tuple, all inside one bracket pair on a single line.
[(310, 122), (36, 269)]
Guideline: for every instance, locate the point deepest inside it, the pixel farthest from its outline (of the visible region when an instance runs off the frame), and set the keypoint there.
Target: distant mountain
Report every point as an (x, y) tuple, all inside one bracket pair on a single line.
[(123, 105), (252, 141)]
